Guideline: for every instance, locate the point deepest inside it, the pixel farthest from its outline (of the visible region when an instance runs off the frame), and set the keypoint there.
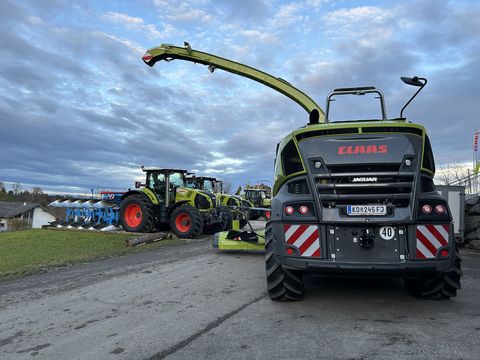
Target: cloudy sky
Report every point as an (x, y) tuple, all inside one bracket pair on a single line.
[(80, 110)]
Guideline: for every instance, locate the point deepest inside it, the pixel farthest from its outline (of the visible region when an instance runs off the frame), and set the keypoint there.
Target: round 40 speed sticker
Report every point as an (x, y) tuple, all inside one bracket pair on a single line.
[(387, 232)]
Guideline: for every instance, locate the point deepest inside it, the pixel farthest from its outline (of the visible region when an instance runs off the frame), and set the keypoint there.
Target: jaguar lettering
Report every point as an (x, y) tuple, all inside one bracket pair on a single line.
[(365, 179)]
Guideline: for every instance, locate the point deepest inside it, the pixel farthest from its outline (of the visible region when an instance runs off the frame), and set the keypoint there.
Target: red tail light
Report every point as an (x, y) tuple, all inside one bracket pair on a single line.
[(444, 253), (303, 210), (289, 210), (289, 251), (427, 209), (440, 209)]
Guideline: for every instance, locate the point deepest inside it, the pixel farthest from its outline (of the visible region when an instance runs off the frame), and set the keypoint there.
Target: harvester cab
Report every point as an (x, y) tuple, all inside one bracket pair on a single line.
[(353, 197), (165, 200)]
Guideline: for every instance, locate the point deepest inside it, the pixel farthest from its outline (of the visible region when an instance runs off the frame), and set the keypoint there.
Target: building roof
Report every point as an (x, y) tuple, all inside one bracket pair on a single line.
[(9, 209)]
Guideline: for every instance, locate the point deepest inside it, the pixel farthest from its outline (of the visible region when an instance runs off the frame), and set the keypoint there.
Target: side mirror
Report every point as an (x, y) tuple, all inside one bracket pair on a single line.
[(415, 81)]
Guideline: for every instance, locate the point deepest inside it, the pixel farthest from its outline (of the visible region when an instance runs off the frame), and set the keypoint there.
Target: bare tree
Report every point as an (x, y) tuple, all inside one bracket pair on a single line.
[(226, 187), (15, 224), (17, 188), (450, 173), (36, 195), (3, 191)]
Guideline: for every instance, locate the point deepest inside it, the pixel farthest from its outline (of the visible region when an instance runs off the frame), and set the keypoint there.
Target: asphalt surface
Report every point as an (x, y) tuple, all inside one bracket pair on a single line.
[(194, 302)]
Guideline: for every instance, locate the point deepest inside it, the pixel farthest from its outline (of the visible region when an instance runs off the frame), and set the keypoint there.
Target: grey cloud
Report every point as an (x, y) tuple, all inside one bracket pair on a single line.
[(89, 108), (246, 10)]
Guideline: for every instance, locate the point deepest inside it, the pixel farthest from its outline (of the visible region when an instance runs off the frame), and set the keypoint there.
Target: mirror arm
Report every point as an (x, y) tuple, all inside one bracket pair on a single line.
[(409, 101)]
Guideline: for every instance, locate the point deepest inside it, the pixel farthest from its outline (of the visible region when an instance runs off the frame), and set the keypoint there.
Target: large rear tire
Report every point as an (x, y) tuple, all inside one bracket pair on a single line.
[(439, 286), (282, 284), (136, 214), (186, 221)]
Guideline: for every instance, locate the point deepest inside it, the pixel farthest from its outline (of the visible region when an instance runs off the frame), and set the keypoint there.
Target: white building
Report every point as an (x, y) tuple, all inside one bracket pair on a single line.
[(34, 215)]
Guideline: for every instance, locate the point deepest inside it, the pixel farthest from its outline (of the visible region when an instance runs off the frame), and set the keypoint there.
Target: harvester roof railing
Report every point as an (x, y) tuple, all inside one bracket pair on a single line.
[(170, 52), (356, 91)]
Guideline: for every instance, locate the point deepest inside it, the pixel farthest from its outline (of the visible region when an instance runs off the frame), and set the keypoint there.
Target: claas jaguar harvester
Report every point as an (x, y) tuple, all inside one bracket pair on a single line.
[(350, 197)]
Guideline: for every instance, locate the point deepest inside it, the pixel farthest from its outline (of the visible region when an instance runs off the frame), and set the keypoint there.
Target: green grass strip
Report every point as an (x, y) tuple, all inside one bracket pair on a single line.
[(29, 251)]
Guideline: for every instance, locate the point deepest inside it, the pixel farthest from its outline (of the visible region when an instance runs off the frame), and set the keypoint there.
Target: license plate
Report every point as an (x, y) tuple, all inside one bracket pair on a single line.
[(366, 210)]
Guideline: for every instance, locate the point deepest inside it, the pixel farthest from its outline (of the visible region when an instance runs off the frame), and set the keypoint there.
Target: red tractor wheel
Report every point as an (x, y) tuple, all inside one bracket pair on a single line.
[(133, 215), (183, 222), (136, 214), (186, 221), (267, 215)]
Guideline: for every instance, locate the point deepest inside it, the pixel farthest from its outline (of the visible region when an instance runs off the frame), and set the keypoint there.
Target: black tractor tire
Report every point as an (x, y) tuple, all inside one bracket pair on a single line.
[(228, 220), (254, 215), (137, 214), (282, 284), (215, 227), (443, 285), (218, 226), (186, 221)]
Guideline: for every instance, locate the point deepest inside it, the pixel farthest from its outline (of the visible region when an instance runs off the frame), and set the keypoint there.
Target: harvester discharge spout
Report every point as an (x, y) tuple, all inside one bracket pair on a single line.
[(170, 52)]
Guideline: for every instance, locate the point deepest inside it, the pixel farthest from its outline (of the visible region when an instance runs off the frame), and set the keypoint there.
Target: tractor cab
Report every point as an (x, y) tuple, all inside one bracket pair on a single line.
[(255, 195), (259, 195), (190, 179), (165, 182), (206, 183)]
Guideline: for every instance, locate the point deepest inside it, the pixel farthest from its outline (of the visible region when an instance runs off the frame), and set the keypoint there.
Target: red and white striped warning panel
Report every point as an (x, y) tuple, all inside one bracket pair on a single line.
[(305, 238), (429, 239)]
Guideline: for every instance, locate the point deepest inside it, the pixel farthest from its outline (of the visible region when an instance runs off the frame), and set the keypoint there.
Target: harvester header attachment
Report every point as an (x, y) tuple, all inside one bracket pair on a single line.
[(170, 52)]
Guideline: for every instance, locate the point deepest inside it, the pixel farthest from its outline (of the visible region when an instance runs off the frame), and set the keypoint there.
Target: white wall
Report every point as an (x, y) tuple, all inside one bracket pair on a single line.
[(41, 217), (3, 222)]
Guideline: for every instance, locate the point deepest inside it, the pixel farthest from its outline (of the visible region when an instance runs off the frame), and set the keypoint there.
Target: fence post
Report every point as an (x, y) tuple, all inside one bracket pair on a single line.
[(469, 182)]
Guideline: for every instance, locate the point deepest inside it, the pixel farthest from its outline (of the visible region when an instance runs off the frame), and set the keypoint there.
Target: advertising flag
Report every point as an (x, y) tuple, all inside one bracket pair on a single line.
[(476, 152)]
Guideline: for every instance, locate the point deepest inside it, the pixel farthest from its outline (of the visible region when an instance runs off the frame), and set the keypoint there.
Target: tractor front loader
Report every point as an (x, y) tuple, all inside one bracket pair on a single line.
[(164, 200), (349, 197)]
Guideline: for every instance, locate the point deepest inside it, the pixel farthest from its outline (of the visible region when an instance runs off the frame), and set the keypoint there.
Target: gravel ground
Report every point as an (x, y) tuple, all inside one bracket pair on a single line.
[(194, 302)]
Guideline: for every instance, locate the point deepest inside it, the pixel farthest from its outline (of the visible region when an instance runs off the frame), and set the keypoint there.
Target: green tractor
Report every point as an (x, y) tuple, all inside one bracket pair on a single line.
[(164, 200), (232, 207), (261, 197)]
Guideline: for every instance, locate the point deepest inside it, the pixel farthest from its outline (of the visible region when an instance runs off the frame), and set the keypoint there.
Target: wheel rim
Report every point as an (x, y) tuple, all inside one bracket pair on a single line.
[(133, 215), (183, 222)]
